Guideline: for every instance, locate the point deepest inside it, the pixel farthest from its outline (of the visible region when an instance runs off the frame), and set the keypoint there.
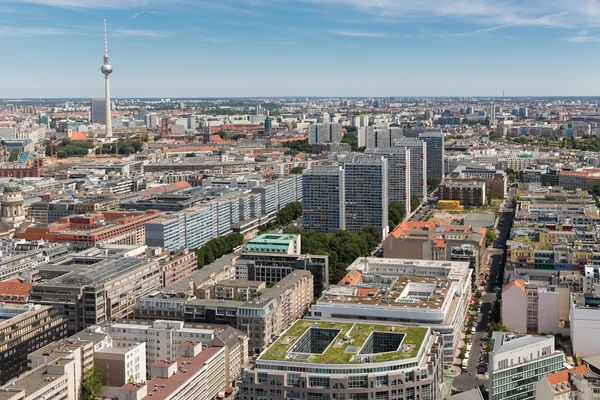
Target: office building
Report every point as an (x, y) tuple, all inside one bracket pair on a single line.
[(23, 329), (495, 179), (531, 306), (120, 365), (263, 318), (275, 310), (517, 362), (418, 166), (90, 289), (434, 294), (468, 193), (398, 173), (324, 133), (435, 154), (273, 267), (196, 373), (366, 192), (329, 359), (323, 204), (98, 111), (85, 231), (56, 380)]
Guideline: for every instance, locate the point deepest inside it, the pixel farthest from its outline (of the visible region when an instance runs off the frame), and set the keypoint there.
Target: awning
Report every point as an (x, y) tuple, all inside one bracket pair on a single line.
[(229, 390)]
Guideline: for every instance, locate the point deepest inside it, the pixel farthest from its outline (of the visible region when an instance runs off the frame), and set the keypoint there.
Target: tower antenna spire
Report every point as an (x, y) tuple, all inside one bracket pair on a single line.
[(105, 40)]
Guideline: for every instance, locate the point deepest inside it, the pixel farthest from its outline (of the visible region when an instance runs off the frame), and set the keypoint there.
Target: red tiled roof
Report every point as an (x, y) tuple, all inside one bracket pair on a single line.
[(79, 136), (14, 291), (351, 278), (520, 283)]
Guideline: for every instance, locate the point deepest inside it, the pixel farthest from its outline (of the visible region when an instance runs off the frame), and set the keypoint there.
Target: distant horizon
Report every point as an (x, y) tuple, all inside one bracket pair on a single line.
[(291, 97)]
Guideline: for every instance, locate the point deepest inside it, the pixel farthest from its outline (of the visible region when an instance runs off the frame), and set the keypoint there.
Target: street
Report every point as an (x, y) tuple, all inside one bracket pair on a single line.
[(470, 379)]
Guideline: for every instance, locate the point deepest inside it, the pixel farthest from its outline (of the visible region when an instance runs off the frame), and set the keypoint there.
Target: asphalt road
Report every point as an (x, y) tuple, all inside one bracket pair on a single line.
[(471, 379)]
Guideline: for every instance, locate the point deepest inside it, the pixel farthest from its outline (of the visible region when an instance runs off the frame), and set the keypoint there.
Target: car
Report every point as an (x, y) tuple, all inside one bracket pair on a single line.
[(473, 330)]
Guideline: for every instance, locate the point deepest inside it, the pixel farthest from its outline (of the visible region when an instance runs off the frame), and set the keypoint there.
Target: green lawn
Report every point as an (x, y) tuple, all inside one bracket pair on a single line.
[(360, 333)]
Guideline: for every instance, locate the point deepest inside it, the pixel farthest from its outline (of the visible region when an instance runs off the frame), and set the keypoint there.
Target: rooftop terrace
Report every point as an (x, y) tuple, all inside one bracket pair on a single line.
[(324, 342)]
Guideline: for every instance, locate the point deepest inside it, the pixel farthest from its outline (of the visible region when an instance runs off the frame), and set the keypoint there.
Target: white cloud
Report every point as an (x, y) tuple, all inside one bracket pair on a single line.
[(494, 13), (7, 31), (583, 39), (357, 33), (140, 33)]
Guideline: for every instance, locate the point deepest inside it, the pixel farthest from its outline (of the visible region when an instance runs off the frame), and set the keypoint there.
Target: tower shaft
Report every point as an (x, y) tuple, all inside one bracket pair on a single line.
[(109, 131)]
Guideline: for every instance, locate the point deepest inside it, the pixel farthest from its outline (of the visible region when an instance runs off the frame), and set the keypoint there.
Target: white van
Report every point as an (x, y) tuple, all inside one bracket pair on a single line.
[(465, 362)]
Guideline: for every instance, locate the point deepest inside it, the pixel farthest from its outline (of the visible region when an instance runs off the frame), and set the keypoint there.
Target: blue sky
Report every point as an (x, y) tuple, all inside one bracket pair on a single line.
[(212, 48)]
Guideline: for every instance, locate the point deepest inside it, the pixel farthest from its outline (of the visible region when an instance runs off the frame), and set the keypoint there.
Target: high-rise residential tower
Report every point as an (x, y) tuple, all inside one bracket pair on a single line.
[(366, 188), (435, 153), (379, 136), (398, 173), (324, 133), (107, 70), (323, 199), (418, 166)]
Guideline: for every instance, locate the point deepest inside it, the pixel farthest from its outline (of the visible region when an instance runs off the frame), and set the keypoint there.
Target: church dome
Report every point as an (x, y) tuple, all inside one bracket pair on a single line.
[(12, 187)]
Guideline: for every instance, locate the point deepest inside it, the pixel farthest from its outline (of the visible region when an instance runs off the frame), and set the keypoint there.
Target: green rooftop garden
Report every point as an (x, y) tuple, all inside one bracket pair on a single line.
[(336, 351)]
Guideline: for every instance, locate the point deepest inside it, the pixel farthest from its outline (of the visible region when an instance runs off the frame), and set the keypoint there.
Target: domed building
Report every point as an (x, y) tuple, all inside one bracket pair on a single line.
[(13, 212)]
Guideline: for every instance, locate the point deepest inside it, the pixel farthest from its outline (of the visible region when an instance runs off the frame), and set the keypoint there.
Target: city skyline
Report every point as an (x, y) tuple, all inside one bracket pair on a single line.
[(251, 48)]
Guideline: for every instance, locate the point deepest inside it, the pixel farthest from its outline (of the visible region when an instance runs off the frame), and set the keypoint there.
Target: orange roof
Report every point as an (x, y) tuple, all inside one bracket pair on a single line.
[(351, 279), (404, 227), (283, 140), (366, 292), (14, 291), (216, 139), (79, 136), (520, 283), (440, 243)]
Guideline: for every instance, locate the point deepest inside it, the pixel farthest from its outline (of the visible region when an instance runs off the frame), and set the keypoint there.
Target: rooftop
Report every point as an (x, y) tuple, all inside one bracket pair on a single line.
[(326, 342), (403, 291), (270, 243)]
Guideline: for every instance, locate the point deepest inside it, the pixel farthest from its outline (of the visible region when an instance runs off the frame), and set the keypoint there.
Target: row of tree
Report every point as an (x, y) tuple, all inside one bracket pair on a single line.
[(68, 148), (217, 247), (396, 214), (286, 215)]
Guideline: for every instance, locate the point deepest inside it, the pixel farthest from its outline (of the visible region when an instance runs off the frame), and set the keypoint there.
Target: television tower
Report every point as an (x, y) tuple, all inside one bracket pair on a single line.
[(107, 70)]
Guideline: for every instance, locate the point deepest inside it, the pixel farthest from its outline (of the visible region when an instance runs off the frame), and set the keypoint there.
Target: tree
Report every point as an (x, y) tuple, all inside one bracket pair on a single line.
[(512, 177), (490, 236), (14, 156), (91, 384), (396, 213), (190, 155), (297, 170), (432, 183), (351, 138), (415, 202)]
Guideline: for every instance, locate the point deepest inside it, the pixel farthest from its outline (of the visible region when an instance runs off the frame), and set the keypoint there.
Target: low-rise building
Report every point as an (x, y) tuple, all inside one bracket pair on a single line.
[(324, 359)]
